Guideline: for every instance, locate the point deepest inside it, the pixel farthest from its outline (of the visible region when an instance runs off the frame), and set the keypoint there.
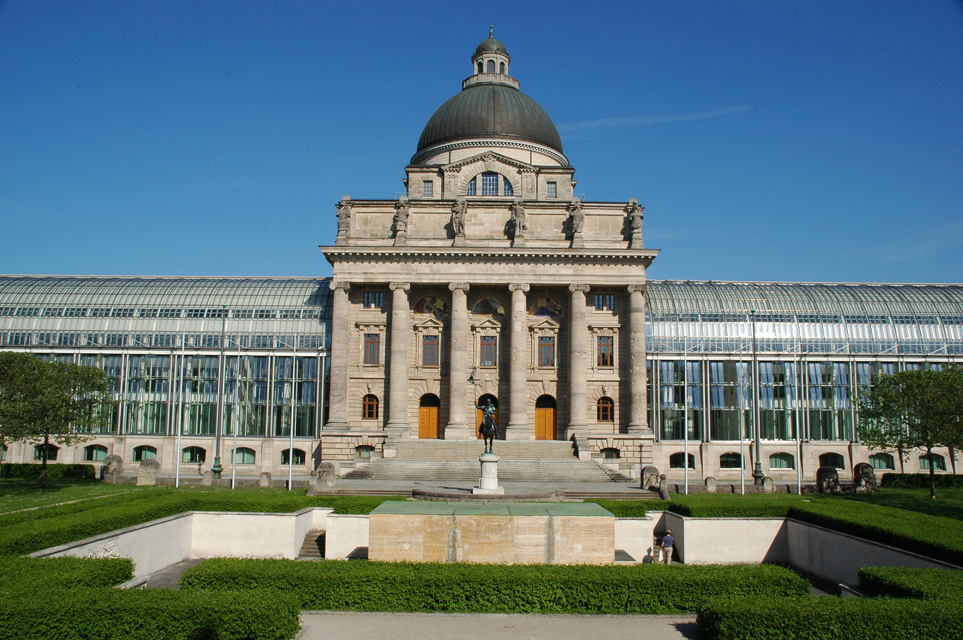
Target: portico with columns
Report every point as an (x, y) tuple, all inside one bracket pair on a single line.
[(503, 286)]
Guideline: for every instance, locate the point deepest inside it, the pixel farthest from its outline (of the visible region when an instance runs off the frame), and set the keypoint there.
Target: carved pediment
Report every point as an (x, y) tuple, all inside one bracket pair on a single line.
[(544, 324), (487, 323), (490, 161), (430, 323)]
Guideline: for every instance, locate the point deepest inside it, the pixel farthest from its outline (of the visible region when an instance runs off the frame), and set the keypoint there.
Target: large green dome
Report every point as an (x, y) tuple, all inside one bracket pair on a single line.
[(486, 110)]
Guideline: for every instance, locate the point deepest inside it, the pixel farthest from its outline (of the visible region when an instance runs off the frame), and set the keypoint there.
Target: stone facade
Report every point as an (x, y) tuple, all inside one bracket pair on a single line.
[(489, 278)]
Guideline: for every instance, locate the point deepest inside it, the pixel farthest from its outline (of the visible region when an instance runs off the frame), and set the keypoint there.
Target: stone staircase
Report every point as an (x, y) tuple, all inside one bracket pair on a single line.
[(457, 461), (313, 546)]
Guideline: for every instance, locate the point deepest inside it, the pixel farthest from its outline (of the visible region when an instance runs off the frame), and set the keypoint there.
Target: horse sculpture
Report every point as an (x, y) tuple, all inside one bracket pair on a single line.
[(488, 429)]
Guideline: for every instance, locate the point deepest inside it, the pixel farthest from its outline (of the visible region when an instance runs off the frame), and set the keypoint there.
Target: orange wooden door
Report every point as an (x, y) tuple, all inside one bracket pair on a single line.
[(428, 422), (544, 423)]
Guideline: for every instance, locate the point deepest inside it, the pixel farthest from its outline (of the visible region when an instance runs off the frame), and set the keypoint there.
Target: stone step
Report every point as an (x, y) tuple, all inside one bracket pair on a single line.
[(313, 546), (469, 450), (570, 470)]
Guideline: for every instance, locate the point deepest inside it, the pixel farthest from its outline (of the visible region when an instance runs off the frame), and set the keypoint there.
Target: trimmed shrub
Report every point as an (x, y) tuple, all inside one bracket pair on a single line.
[(42, 576), (903, 582), (931, 536), (631, 508), (476, 588), (920, 480), (766, 618), (152, 614), (734, 506), (54, 471)]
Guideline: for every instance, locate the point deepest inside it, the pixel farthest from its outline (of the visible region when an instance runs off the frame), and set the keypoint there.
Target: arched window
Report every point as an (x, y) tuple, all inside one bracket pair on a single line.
[(605, 410), (51, 450), (299, 457), (782, 461), (369, 407), (501, 67), (730, 461), (481, 67), (488, 307), (94, 452), (192, 455), (611, 453), (675, 460), (882, 461), (244, 455), (939, 462), (364, 451), (507, 188), (834, 460), (144, 452), (472, 189), (491, 66)]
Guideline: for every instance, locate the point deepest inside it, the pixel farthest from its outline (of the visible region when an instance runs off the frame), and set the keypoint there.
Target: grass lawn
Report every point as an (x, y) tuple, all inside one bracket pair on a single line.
[(948, 503), (26, 493)]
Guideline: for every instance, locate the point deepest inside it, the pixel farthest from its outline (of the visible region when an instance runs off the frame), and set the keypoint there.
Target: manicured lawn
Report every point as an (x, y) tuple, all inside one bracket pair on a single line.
[(948, 503), (26, 493)]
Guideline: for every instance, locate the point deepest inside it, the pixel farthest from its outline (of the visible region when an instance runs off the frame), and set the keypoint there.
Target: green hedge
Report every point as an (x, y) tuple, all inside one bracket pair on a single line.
[(735, 506), (921, 480), (35, 575), (771, 618), (474, 588), (631, 508), (931, 536), (85, 614), (903, 582), (54, 471)]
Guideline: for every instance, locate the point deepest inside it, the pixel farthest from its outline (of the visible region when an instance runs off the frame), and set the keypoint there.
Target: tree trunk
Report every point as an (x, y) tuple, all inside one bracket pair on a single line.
[(43, 460)]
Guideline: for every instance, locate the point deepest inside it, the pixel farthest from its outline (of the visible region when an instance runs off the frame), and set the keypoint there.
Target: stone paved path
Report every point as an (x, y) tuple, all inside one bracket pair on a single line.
[(318, 625)]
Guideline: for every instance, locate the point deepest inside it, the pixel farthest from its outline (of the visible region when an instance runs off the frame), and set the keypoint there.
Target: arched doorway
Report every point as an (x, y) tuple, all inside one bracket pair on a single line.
[(428, 410), (479, 415), (545, 418)]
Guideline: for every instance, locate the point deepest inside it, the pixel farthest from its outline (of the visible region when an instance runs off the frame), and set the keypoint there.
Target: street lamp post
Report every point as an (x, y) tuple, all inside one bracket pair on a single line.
[(757, 474), (216, 468)]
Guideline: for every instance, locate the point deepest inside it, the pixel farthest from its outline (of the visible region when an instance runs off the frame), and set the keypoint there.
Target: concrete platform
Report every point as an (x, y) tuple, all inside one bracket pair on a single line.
[(492, 532)]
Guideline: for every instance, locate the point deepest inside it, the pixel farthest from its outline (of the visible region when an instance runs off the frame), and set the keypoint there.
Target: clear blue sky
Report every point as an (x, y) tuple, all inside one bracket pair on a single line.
[(767, 140)]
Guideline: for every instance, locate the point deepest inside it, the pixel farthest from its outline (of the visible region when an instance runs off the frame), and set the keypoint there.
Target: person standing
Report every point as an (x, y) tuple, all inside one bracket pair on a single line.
[(667, 542)]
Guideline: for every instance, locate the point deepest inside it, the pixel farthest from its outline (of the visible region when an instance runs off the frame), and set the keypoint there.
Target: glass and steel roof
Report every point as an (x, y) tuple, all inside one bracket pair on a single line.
[(882, 319), (93, 311)]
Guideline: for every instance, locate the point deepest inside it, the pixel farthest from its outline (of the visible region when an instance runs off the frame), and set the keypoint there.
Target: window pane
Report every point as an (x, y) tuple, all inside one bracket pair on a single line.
[(507, 189), (488, 352), (427, 188), (430, 351), (489, 184), (546, 351), (606, 351), (472, 187), (551, 190), (372, 351)]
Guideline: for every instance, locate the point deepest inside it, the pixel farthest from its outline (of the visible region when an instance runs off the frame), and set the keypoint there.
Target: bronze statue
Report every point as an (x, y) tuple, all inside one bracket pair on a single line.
[(488, 429)]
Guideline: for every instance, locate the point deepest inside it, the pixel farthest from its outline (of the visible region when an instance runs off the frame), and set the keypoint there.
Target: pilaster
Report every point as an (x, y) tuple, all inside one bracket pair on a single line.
[(397, 426)]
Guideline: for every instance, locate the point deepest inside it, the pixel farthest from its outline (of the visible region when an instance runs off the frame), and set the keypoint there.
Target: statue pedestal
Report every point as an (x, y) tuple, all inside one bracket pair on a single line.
[(488, 483)]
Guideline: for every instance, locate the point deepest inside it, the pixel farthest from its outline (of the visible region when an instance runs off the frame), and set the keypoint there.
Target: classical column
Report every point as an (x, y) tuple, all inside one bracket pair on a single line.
[(578, 360), (638, 403), (517, 428), (397, 426), (338, 391), (458, 427)]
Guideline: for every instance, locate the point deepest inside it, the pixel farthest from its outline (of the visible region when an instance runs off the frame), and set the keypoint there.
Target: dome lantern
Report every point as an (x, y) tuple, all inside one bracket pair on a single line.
[(491, 56)]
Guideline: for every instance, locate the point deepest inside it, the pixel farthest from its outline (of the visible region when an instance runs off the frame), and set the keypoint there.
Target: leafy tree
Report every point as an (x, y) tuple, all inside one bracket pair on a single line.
[(50, 401), (913, 410)]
